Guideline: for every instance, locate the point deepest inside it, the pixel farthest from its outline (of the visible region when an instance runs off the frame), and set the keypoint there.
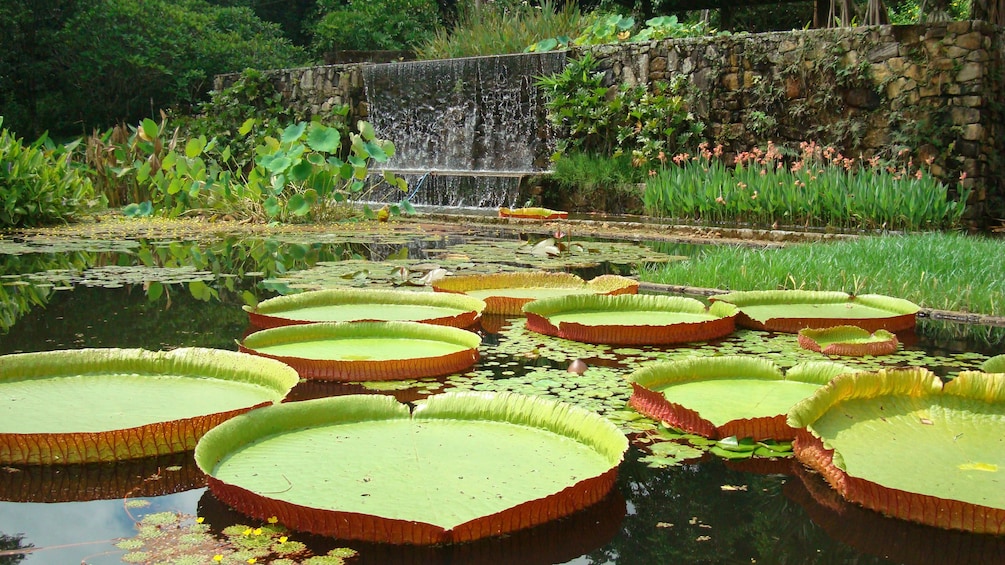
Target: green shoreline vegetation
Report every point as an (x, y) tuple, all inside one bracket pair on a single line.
[(943, 271)]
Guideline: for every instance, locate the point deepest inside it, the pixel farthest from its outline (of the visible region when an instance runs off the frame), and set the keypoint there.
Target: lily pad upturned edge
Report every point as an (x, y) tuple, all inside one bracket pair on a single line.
[(851, 341), (563, 419), (369, 370), (654, 404), (513, 306), (995, 364), (158, 438), (268, 313), (534, 213), (903, 313), (813, 452), (721, 320)]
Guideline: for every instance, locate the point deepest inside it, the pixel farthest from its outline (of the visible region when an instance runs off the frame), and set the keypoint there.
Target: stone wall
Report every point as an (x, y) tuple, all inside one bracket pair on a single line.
[(315, 90), (936, 90)]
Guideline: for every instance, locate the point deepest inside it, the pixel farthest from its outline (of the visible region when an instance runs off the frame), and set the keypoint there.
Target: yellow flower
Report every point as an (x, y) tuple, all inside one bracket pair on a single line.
[(247, 532), (218, 558), (258, 531), (199, 520), (273, 519), (252, 560), (283, 539)]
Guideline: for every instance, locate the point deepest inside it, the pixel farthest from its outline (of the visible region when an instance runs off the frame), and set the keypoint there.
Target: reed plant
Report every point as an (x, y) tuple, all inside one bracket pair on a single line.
[(818, 187), (501, 28), (946, 271)]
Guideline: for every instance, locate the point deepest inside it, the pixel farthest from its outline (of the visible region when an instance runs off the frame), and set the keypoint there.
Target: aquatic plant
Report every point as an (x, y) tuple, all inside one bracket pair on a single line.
[(39, 184), (507, 293), (731, 395), (794, 310), (820, 188), (490, 464), (848, 340), (362, 351), (94, 405), (862, 432)]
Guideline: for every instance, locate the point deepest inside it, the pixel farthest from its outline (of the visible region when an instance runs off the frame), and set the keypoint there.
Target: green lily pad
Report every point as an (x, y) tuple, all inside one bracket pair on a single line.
[(718, 397), (900, 442), (995, 364), (461, 466), (629, 319), (848, 340), (507, 293), (793, 310), (95, 405), (350, 305), (363, 351)]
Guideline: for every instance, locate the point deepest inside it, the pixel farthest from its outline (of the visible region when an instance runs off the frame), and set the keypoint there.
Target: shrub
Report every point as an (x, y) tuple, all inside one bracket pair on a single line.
[(644, 123), (122, 60), (368, 25), (38, 184)]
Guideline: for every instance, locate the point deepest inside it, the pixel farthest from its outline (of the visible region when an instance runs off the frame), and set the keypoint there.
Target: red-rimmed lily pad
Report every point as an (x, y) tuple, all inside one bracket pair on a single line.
[(793, 310), (96, 405), (630, 319), (460, 467), (848, 340), (532, 213), (507, 293), (718, 397), (901, 442), (367, 351), (356, 305)]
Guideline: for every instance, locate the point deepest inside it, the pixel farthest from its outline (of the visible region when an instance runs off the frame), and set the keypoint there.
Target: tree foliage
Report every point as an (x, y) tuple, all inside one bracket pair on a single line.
[(373, 24), (80, 65)]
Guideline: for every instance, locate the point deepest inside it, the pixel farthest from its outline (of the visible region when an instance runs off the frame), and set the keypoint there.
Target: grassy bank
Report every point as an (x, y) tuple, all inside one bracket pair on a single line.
[(935, 270)]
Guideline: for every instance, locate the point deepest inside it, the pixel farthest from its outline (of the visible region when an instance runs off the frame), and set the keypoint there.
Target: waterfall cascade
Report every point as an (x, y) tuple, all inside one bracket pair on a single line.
[(466, 130)]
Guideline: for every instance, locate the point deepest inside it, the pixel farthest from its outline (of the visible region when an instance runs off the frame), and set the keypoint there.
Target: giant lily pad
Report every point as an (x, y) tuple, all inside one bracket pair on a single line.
[(793, 310), (461, 466), (507, 293), (630, 319), (995, 364), (848, 340), (900, 442), (532, 213), (746, 397), (93, 405), (351, 305), (367, 351)]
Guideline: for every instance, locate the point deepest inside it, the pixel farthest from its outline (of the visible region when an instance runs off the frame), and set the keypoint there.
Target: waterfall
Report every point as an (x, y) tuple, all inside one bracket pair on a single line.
[(465, 130)]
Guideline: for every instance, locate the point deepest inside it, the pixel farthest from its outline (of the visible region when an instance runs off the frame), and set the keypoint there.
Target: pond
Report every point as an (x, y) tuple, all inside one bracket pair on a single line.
[(162, 287)]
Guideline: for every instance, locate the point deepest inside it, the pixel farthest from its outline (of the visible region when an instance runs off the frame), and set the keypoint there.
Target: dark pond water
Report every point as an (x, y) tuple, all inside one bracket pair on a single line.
[(167, 291)]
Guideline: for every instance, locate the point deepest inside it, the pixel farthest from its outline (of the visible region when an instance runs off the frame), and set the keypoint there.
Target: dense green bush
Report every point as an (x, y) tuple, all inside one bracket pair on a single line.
[(646, 124), (122, 60), (369, 25), (38, 183)]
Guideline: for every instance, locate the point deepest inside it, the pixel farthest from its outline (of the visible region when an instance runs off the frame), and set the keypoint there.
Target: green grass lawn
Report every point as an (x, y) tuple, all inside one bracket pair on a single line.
[(942, 271)]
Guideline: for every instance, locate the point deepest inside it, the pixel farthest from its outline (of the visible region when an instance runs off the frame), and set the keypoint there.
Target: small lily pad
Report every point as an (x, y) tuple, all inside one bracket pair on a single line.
[(848, 340)]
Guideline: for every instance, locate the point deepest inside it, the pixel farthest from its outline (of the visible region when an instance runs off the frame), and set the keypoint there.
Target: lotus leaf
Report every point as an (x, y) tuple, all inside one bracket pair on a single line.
[(364, 351), (629, 319), (507, 293), (718, 397), (900, 442), (462, 466), (848, 340), (94, 405), (793, 310), (348, 305)]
